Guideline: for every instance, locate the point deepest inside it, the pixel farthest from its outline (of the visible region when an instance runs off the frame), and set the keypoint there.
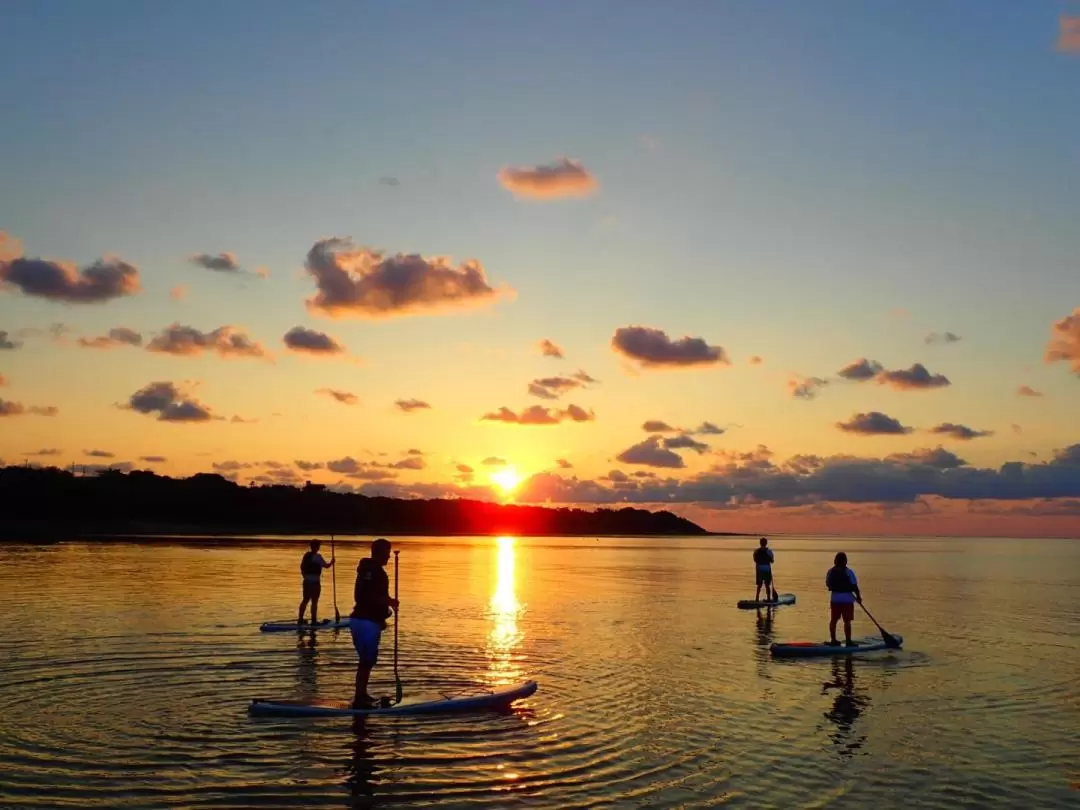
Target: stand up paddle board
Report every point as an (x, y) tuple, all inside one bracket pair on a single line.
[(491, 699), (808, 649), (784, 599), (324, 624)]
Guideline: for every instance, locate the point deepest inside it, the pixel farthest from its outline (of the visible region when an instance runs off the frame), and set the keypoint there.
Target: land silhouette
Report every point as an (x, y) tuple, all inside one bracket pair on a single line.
[(52, 503)]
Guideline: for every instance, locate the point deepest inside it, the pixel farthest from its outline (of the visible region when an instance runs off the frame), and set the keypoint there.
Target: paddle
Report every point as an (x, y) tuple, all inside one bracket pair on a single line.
[(333, 557), (888, 638), (397, 612)]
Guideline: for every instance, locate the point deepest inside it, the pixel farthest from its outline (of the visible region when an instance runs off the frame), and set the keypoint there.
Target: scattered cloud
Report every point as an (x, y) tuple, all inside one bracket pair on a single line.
[(187, 341), (708, 429), (1016, 428), (961, 432), (410, 463), (685, 442), (10, 408), (657, 426), (221, 263), (344, 397), (1068, 40), (913, 379), (45, 451), (942, 337), (539, 415), (652, 348), (117, 336), (651, 453), (563, 178), (1028, 391), (309, 341), (494, 461), (874, 423), (348, 464), (108, 278), (807, 387), (410, 405), (549, 349), (563, 464), (309, 466), (756, 360), (169, 403), (7, 343), (179, 292), (153, 459), (99, 454), (555, 387), (389, 181), (1065, 337), (361, 282), (861, 370)]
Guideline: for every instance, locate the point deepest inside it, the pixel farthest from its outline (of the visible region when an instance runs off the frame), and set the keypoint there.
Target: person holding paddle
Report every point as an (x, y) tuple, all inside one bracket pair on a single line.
[(763, 560), (311, 568), (841, 581), (371, 608)]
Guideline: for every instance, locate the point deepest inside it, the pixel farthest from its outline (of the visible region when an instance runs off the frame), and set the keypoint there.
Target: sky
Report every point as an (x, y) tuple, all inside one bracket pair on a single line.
[(776, 267)]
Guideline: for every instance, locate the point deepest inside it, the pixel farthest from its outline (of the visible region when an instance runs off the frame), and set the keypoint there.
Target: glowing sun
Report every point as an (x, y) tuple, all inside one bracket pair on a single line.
[(506, 479)]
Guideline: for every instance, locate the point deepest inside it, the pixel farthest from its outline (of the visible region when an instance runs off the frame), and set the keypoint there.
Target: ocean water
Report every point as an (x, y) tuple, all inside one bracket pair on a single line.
[(126, 671)]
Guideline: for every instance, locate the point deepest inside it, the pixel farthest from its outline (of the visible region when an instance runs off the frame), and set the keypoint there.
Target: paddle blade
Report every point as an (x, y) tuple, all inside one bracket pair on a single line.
[(890, 640)]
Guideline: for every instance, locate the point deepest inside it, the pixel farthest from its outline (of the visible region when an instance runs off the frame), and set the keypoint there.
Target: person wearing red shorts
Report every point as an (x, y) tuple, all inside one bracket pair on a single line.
[(844, 586)]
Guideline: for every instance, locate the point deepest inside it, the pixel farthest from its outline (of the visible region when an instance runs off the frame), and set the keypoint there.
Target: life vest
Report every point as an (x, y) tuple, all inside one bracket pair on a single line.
[(761, 556), (838, 580), (308, 564)]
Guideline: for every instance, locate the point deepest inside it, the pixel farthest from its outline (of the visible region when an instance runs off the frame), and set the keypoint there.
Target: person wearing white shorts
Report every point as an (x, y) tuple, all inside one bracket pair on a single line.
[(371, 608)]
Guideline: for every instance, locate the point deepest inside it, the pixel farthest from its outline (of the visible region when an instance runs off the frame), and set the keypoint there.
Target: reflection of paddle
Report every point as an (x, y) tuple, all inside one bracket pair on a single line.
[(888, 638), (333, 558)]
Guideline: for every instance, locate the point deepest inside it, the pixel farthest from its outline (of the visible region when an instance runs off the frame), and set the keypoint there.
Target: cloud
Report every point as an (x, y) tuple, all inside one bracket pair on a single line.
[(344, 397), (961, 432), (410, 463), (348, 464), (685, 442), (179, 292), (221, 263), (806, 388), (108, 278), (9, 408), (414, 452), (539, 415), (494, 461), (651, 453), (7, 343), (756, 360), (549, 349), (389, 181), (231, 465), (117, 336), (45, 451), (913, 379), (371, 474), (861, 370), (657, 426), (563, 178), (941, 337), (555, 387), (1064, 342), (309, 466), (708, 429), (99, 454), (153, 459), (410, 405), (563, 464), (1068, 40), (187, 341), (1028, 391), (361, 282), (874, 423), (308, 341), (652, 348), (3, 381), (169, 403)]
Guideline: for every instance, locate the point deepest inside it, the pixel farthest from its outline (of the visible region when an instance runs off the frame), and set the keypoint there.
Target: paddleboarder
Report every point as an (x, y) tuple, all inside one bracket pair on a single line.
[(311, 567), (841, 581), (763, 560), (371, 608)]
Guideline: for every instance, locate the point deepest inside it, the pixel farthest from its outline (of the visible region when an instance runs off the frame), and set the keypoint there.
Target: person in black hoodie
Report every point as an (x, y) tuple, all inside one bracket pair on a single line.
[(371, 608)]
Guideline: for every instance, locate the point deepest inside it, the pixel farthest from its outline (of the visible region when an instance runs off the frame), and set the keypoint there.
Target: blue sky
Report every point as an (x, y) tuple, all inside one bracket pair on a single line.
[(805, 183)]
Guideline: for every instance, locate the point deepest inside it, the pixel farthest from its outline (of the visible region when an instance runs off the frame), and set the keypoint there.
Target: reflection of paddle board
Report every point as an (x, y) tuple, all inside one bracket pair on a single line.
[(324, 624), (807, 649), (492, 699), (785, 599)]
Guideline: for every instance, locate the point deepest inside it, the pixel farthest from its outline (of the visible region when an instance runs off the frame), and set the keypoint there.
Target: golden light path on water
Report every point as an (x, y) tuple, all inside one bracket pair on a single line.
[(504, 611)]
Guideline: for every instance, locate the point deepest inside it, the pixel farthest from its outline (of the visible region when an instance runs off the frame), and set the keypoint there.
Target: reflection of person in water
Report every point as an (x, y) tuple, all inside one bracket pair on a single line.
[(361, 766), (306, 653), (764, 628), (847, 706)]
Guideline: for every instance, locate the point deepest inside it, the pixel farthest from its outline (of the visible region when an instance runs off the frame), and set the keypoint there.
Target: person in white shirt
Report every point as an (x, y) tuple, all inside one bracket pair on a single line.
[(311, 567), (841, 581)]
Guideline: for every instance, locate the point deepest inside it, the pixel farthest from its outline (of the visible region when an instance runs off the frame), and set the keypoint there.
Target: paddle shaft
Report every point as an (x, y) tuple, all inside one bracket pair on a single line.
[(884, 634), (397, 613), (333, 557)]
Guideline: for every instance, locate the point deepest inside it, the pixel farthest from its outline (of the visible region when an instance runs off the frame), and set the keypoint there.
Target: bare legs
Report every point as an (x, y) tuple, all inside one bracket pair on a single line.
[(362, 698), (314, 600)]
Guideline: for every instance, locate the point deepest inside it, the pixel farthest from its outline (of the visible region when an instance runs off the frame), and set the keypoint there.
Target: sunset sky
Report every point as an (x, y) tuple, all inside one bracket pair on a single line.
[(779, 267)]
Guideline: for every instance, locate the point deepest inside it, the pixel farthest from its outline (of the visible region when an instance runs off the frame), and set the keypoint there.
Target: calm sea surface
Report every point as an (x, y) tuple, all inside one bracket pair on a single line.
[(126, 671)]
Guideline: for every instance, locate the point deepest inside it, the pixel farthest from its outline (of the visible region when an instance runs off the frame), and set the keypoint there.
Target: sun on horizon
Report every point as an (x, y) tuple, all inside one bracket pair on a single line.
[(506, 479)]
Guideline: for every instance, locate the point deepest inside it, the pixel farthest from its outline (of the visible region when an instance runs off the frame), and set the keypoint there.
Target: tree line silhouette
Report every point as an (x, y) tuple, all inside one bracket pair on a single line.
[(51, 502)]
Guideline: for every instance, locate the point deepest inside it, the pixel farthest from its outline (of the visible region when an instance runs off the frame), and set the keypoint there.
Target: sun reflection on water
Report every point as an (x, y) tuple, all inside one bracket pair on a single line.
[(504, 611)]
